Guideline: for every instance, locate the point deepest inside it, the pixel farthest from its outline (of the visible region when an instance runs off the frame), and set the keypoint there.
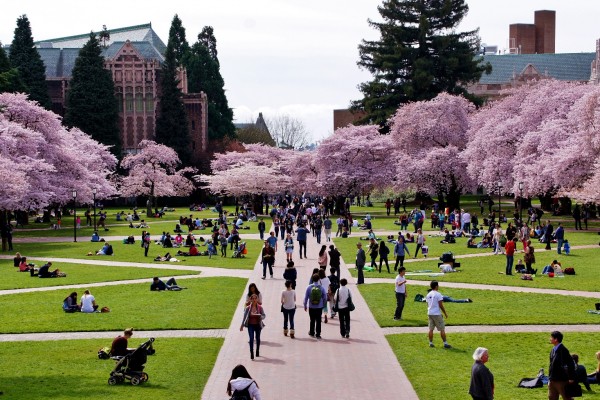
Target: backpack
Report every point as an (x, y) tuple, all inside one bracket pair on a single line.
[(503, 240), (243, 394), (315, 294), (569, 271), (104, 353), (419, 297)]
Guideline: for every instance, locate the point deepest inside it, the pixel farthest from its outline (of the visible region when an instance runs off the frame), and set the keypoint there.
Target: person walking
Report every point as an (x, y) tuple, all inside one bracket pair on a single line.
[(288, 245), (268, 259), (327, 224), (548, 235), (562, 368), (301, 238), (509, 250), (146, 243), (288, 308), (261, 229), (334, 259), (559, 235), (482, 380), (420, 240), (290, 274), (241, 385), (400, 250), (400, 293), (373, 253), (322, 260), (342, 300), (315, 297), (435, 308), (383, 256), (361, 259), (253, 321)]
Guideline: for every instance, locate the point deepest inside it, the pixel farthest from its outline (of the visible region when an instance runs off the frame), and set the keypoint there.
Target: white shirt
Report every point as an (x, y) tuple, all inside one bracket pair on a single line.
[(401, 288), (433, 299), (289, 299), (87, 303), (466, 218), (343, 293), (325, 282)]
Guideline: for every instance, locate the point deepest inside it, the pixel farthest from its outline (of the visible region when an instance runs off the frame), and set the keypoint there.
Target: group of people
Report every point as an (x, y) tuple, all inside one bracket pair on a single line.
[(87, 304)]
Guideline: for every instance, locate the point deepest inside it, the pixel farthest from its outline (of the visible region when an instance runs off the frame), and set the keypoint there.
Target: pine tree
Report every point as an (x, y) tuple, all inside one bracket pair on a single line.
[(204, 76), (10, 80), (419, 55), (171, 124), (25, 57), (91, 103)]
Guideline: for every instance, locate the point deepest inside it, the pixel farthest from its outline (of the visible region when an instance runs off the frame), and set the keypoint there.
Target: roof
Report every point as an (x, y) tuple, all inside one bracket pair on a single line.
[(136, 33), (564, 67)]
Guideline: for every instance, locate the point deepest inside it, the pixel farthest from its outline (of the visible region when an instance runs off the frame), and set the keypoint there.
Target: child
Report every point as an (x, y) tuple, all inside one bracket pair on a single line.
[(223, 241), (520, 267), (567, 247)]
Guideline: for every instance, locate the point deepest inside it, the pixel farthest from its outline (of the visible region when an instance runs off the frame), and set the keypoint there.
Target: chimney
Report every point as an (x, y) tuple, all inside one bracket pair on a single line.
[(545, 31)]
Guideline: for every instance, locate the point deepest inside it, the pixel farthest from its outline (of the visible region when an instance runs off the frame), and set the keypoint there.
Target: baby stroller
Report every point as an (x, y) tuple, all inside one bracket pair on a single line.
[(240, 250), (131, 366)]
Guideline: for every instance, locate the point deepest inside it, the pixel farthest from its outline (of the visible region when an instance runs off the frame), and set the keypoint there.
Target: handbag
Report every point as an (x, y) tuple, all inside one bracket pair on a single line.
[(573, 390), (350, 302), (337, 301)]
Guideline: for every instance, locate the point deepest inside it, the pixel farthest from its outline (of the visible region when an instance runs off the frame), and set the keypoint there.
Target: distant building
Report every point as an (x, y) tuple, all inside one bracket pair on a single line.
[(536, 38), (259, 124), (345, 117), (134, 56)]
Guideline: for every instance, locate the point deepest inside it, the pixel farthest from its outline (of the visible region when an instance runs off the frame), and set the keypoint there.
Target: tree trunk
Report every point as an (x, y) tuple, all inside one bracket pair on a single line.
[(3, 222), (546, 201), (149, 212), (257, 203), (453, 196), (339, 204)]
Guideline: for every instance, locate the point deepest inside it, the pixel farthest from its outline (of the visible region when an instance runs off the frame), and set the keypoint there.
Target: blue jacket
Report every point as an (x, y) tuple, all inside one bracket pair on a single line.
[(560, 233), (301, 234), (307, 297)]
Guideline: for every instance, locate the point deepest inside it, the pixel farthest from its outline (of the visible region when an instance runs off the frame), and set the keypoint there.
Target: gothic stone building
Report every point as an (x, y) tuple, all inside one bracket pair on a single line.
[(134, 56)]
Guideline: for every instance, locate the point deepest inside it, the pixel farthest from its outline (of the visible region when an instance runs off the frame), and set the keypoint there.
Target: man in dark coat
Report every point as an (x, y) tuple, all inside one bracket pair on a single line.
[(562, 368)]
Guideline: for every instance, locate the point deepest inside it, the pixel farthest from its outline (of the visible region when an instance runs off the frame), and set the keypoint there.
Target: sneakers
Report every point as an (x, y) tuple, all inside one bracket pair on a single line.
[(447, 346), (271, 276), (397, 319), (325, 319), (431, 345), (347, 336), (469, 300), (319, 337), (263, 277)]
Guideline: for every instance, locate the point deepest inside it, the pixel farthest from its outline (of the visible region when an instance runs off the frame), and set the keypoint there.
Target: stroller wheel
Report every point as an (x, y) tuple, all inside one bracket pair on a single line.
[(144, 377), (136, 380), (112, 381)]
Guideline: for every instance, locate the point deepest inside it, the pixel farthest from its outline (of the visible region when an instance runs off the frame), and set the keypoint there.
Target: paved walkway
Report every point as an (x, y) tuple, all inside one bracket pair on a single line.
[(306, 368)]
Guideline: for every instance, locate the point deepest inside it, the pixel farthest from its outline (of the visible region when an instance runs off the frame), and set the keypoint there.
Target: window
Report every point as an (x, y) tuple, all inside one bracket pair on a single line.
[(120, 101), (139, 100)]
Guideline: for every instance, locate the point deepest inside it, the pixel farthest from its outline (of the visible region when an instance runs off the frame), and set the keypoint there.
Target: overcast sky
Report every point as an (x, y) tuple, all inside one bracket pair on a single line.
[(284, 56)]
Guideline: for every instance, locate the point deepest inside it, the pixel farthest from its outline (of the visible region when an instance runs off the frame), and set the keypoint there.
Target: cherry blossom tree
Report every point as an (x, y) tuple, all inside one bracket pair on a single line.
[(428, 138), (41, 161), (153, 173)]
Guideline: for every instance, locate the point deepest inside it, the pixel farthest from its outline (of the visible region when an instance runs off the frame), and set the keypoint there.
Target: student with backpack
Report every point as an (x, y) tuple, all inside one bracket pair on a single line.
[(242, 386), (334, 284), (314, 300)]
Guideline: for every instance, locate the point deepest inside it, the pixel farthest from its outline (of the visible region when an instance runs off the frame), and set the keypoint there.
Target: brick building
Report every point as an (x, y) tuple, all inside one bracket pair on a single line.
[(134, 56), (536, 38)]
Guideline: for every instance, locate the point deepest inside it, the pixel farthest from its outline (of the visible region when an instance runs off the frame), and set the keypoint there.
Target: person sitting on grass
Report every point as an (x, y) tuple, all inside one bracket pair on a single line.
[(193, 251), (471, 244), (448, 237), (88, 302), (45, 272), (95, 237), (189, 240), (106, 250), (158, 285), (70, 303), (23, 266), (129, 240), (520, 267), (17, 260), (447, 268), (119, 345), (486, 242), (142, 224), (409, 238)]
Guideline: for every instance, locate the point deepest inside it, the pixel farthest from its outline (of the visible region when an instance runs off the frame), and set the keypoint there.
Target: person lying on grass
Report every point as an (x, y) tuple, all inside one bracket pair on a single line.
[(158, 285), (106, 250), (45, 272)]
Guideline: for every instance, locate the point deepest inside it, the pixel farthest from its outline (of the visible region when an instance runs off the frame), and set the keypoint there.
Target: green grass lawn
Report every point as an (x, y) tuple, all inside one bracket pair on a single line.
[(70, 369), (208, 303), (134, 253), (486, 270), (78, 274), (513, 356), (487, 308)]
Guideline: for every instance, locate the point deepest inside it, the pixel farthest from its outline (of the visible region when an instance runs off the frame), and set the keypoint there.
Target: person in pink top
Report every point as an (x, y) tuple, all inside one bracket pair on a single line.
[(509, 249)]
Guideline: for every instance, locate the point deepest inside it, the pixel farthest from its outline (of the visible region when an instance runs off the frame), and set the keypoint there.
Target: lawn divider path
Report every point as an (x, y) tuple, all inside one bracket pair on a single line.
[(181, 333), (494, 329)]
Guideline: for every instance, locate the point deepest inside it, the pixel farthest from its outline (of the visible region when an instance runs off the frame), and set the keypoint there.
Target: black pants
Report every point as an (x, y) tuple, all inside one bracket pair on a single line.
[(361, 275), (315, 321), (417, 250), (344, 316), (400, 300), (302, 244), (265, 265), (399, 260), (381, 260)]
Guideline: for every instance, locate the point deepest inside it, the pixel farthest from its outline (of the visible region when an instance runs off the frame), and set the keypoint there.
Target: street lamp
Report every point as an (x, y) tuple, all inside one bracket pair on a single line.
[(94, 193), (74, 215), (499, 202), (521, 202)]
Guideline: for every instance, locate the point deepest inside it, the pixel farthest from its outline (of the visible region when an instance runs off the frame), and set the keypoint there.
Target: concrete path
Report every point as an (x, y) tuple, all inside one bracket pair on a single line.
[(307, 368), (496, 329)]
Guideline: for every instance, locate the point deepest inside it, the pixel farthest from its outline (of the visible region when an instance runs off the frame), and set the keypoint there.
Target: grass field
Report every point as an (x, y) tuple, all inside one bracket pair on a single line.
[(78, 274), (487, 308), (208, 303), (134, 253), (512, 357), (70, 369)]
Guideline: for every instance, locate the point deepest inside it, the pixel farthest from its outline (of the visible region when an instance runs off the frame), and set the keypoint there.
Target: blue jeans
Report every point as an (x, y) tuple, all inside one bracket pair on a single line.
[(318, 234), (509, 264), (560, 244), (288, 315), (254, 330)]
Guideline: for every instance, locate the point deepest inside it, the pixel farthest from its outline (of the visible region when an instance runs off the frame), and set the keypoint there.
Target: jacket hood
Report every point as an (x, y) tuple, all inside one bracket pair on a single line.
[(240, 383)]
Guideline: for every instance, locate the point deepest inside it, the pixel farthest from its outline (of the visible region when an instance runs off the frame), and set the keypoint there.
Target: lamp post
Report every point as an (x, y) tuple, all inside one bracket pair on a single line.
[(499, 202), (94, 193), (521, 201), (74, 215)]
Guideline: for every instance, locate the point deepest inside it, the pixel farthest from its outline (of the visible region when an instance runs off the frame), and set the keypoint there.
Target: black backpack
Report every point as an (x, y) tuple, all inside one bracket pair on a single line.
[(243, 394)]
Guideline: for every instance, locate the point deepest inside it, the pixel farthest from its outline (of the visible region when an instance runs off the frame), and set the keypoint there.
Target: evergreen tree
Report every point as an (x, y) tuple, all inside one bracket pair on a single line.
[(10, 80), (171, 124), (91, 103), (418, 55), (25, 57), (204, 76)]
